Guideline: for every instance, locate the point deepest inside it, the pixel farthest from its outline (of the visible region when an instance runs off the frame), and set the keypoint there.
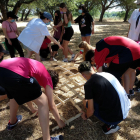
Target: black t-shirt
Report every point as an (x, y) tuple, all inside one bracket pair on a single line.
[(110, 96), (84, 22)]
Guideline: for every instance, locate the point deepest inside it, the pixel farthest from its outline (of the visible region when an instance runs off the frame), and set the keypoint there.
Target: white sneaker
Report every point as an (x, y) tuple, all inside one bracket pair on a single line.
[(65, 60), (72, 57), (54, 59)]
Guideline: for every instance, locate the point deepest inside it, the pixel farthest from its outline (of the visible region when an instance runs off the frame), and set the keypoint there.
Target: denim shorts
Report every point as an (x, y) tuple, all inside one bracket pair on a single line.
[(85, 35)]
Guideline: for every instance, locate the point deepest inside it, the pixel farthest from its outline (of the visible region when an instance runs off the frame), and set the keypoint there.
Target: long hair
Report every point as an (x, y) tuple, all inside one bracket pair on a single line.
[(86, 47), (56, 21), (68, 13), (83, 7)]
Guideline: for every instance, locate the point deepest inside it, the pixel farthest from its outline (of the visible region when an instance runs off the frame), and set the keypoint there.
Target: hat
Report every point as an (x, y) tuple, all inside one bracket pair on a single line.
[(48, 15), (138, 1), (2, 50), (12, 15), (84, 66)]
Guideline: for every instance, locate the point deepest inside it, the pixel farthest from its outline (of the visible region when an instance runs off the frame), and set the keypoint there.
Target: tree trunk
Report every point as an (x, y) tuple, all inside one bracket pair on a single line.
[(126, 15), (27, 14), (23, 12), (3, 7), (17, 6), (102, 14)]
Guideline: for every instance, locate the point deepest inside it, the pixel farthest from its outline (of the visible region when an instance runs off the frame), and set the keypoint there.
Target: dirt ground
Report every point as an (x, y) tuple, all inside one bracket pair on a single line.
[(29, 129)]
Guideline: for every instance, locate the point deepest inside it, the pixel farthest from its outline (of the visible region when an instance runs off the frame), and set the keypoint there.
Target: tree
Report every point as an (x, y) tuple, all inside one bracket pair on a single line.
[(127, 5), (107, 4)]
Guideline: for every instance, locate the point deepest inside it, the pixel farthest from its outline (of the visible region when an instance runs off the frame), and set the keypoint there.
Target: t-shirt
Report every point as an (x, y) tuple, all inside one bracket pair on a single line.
[(134, 32), (11, 28), (28, 68), (116, 49), (45, 43), (107, 92), (84, 22), (33, 35)]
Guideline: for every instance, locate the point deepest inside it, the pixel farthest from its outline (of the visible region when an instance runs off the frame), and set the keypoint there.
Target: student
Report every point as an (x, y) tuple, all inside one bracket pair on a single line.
[(22, 79), (33, 35), (84, 48), (46, 48), (10, 31), (86, 23), (122, 53), (104, 97), (67, 31)]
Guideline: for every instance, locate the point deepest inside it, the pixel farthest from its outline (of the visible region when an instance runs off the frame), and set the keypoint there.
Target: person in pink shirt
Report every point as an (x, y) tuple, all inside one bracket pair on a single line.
[(22, 79), (11, 32)]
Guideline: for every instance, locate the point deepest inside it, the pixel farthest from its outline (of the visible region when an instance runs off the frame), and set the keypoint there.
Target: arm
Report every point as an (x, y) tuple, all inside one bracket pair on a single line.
[(100, 69), (129, 29), (17, 32), (59, 24), (6, 36), (93, 27), (76, 56), (56, 42), (49, 45), (60, 39)]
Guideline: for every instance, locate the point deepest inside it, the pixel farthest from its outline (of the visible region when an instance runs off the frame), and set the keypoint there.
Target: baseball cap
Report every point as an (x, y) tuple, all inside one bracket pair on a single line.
[(138, 1), (2, 50), (48, 15), (12, 15)]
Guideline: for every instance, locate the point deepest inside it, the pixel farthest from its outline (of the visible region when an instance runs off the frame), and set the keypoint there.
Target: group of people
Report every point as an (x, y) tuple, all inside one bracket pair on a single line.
[(107, 68)]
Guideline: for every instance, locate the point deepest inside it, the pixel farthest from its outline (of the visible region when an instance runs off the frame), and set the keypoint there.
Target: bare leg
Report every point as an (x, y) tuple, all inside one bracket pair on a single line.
[(2, 97), (13, 111), (132, 78), (83, 38), (30, 105), (88, 39), (65, 45), (70, 51), (37, 57), (29, 53), (43, 113)]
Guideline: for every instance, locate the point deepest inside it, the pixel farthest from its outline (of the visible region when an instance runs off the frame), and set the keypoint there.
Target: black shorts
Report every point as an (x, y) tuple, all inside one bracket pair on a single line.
[(18, 87), (135, 64), (2, 91), (118, 69), (68, 34)]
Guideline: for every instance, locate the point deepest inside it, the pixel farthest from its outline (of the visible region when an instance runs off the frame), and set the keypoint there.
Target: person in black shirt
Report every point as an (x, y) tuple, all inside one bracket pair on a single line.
[(104, 97), (86, 23)]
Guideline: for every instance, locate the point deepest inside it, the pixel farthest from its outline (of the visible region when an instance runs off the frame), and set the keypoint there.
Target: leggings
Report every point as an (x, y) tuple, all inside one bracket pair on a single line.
[(15, 45)]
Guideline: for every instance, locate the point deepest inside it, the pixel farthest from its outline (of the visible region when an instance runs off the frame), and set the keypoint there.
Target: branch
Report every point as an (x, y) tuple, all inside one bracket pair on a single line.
[(28, 2), (10, 5)]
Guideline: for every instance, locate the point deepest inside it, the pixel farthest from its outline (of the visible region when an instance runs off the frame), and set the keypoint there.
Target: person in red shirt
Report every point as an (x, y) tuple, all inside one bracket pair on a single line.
[(122, 53), (22, 79)]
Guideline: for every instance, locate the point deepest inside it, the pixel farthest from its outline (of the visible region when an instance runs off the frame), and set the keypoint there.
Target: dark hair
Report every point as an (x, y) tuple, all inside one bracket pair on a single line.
[(55, 77), (56, 21), (41, 15), (83, 7), (1, 58), (62, 5), (89, 55), (84, 66)]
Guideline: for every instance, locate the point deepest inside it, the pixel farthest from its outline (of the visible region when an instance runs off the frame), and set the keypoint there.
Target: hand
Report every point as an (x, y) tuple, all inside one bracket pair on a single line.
[(9, 41), (61, 124), (60, 47), (73, 61), (83, 115), (64, 10), (92, 31), (60, 39)]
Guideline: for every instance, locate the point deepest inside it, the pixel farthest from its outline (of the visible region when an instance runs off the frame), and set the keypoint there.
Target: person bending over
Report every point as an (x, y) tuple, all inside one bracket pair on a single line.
[(22, 79), (122, 53), (104, 97)]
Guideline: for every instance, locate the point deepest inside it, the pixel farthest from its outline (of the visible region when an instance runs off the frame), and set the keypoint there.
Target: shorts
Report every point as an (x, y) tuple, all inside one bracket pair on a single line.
[(118, 69), (2, 91), (85, 35), (135, 64), (18, 87), (68, 34)]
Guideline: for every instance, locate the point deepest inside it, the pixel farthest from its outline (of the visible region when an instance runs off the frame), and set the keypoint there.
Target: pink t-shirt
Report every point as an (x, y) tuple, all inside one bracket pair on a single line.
[(11, 28), (28, 68)]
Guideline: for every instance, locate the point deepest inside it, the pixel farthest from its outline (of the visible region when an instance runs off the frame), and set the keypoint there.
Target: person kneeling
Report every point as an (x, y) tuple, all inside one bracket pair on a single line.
[(104, 97)]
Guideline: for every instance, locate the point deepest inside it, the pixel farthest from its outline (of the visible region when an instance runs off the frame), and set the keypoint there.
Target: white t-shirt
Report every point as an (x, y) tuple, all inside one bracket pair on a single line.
[(134, 32), (33, 35)]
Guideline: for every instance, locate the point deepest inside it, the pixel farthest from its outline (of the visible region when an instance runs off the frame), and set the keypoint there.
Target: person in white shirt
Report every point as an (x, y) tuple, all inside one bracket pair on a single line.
[(134, 29), (33, 35)]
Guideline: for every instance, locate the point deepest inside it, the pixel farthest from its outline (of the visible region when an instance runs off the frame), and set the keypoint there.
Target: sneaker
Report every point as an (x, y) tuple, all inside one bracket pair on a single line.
[(11, 126), (65, 60), (108, 129), (136, 89), (72, 57), (54, 59), (59, 137), (131, 92)]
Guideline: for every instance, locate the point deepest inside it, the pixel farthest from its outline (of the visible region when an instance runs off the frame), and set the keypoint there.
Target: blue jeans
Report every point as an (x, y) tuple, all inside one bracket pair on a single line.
[(85, 35), (96, 113)]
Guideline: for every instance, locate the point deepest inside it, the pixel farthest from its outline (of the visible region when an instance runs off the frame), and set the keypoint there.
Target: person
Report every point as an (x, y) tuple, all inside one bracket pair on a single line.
[(11, 32), (33, 35), (22, 79), (86, 23), (46, 48), (134, 27), (67, 31), (104, 97), (84, 48), (123, 56)]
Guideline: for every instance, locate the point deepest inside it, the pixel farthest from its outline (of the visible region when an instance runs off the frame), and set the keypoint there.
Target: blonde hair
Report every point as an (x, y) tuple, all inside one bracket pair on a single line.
[(86, 47)]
